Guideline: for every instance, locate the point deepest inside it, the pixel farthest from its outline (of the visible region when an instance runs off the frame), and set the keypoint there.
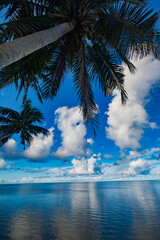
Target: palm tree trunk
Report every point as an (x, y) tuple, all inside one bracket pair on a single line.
[(13, 51)]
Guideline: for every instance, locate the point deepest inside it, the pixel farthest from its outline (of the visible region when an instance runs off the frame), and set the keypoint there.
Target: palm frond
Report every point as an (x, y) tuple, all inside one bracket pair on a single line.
[(93, 125), (6, 131), (132, 27), (37, 130), (26, 73), (25, 138), (36, 87), (105, 34), (30, 114), (61, 60), (20, 9), (9, 113), (109, 73), (3, 141), (123, 58), (54, 73), (22, 27), (10, 128), (12, 122), (83, 84), (5, 120)]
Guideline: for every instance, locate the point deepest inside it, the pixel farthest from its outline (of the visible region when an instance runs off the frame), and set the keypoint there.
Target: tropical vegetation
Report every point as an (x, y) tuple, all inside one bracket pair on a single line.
[(41, 40), (23, 123)]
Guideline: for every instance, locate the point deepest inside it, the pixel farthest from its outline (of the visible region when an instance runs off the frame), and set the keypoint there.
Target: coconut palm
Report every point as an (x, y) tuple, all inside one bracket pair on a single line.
[(92, 38), (13, 122)]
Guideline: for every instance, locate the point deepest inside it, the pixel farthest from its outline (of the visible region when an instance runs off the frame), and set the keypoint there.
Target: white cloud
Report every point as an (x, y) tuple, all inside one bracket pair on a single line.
[(158, 171), (90, 141), (126, 123), (9, 150), (133, 154), (3, 164), (73, 131), (108, 156), (84, 166), (40, 146), (147, 152), (152, 150), (110, 172), (153, 125), (27, 180), (155, 171), (11, 146), (140, 166), (37, 180)]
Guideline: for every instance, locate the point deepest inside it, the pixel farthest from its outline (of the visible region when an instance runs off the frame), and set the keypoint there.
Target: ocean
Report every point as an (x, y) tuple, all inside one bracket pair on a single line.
[(80, 211)]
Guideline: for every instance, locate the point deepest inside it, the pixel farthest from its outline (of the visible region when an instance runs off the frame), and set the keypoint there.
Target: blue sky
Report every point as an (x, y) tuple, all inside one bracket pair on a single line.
[(127, 146)]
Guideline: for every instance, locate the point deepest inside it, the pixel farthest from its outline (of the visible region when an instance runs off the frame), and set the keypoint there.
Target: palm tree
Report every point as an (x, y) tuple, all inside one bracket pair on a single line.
[(13, 122), (92, 38)]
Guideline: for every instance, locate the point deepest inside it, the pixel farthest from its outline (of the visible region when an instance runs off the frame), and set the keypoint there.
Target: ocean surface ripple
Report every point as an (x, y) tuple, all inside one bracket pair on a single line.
[(80, 211)]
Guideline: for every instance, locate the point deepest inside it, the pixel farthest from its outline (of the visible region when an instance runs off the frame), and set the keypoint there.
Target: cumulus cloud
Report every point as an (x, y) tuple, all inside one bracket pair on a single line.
[(85, 166), (73, 131), (39, 149), (139, 167), (10, 146), (126, 123), (3, 164), (133, 154), (40, 146), (9, 150)]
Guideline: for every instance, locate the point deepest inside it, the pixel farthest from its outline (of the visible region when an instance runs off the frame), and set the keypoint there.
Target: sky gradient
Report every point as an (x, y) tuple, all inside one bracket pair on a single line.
[(127, 146)]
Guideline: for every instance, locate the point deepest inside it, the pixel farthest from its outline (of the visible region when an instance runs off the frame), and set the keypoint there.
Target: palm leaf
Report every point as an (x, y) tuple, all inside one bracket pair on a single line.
[(124, 25), (26, 73), (54, 73), (10, 128), (13, 122), (25, 138), (109, 73), (20, 9), (9, 113), (22, 27), (5, 119), (31, 114), (37, 130), (105, 35), (3, 141), (82, 83)]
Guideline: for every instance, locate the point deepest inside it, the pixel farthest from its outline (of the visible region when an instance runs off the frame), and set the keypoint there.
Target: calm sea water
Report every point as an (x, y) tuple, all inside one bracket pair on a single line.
[(80, 211)]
